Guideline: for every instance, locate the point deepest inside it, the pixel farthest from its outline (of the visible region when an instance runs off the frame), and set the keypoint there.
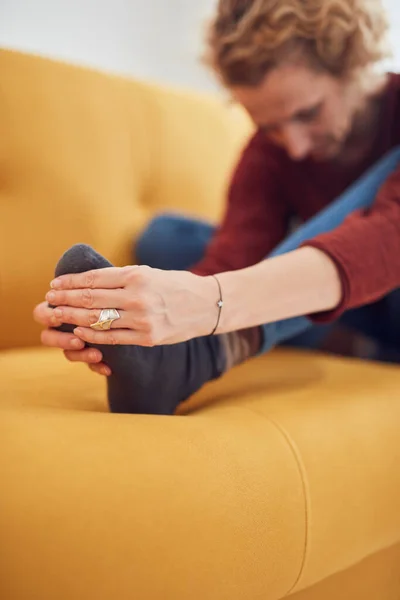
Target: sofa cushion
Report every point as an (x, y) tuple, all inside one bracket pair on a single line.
[(280, 474)]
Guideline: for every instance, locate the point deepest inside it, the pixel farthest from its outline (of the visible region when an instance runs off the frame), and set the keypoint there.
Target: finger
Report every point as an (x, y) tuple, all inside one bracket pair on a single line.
[(117, 337), (44, 315), (87, 355), (109, 278), (89, 299), (101, 369), (58, 339), (85, 318)]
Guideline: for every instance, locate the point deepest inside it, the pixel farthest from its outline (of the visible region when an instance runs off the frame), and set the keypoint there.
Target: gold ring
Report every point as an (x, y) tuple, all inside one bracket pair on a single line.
[(106, 319)]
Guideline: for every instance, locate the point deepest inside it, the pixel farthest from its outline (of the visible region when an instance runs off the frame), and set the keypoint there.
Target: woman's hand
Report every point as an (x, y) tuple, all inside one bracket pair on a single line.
[(74, 348), (156, 307)]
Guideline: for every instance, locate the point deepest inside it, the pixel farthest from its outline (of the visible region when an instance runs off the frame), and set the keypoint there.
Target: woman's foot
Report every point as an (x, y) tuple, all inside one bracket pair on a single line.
[(150, 380)]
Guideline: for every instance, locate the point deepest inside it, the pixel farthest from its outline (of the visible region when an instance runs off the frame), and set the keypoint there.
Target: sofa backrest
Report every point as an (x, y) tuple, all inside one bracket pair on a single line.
[(89, 157)]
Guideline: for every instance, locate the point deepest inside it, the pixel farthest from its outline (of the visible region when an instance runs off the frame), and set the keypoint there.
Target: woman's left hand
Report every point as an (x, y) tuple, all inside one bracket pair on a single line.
[(156, 307)]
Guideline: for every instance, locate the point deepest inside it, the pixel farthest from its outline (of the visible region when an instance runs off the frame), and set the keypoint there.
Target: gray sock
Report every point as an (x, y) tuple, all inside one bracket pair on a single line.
[(150, 380)]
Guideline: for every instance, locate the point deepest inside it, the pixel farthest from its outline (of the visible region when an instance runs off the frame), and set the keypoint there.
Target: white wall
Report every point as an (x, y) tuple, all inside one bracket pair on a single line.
[(393, 8), (160, 39)]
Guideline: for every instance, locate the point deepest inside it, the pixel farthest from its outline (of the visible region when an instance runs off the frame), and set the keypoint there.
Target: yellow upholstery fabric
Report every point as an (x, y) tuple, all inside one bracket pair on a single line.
[(281, 479), (374, 578), (86, 157)]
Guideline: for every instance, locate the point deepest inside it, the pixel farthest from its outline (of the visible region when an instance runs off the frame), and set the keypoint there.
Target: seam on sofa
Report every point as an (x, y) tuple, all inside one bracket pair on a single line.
[(304, 483), (306, 495)]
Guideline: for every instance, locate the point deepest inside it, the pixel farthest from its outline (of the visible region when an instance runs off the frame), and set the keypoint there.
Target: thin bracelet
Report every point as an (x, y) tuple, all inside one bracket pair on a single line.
[(220, 304)]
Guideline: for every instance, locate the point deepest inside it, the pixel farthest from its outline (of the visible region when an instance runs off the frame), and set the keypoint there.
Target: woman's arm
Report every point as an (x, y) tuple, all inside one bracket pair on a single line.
[(299, 283), (256, 216), (366, 250), (167, 307)]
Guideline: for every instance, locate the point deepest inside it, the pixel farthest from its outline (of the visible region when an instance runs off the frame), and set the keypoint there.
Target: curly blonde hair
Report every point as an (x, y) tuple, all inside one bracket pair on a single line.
[(248, 38)]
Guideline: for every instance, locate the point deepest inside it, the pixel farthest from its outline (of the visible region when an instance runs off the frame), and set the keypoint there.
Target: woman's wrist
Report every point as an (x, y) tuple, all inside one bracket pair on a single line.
[(302, 282), (208, 289), (233, 311), (218, 291)]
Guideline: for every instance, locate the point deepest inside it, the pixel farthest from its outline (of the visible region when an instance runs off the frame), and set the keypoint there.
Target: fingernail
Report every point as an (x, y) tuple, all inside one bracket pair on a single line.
[(58, 312), (78, 331), (51, 297), (76, 344), (106, 371), (56, 284), (93, 356)]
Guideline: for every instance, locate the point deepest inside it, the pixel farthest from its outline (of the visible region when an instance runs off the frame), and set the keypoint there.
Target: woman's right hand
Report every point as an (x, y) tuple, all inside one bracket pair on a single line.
[(74, 348)]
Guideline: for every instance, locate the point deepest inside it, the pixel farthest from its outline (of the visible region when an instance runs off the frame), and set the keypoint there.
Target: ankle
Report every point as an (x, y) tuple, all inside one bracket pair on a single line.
[(239, 346)]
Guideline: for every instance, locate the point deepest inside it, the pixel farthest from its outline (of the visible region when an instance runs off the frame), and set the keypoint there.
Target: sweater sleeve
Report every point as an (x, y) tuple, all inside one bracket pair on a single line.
[(366, 251), (255, 218)]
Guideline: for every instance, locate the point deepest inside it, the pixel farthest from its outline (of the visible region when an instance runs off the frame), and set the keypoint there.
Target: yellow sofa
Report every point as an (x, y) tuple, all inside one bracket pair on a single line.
[(281, 479)]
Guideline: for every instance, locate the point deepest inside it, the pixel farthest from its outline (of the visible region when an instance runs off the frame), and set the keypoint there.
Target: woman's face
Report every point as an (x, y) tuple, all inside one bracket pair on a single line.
[(306, 112)]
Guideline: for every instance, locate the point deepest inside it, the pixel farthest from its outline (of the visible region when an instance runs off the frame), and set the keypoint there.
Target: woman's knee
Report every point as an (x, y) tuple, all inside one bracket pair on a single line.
[(172, 242), (155, 241)]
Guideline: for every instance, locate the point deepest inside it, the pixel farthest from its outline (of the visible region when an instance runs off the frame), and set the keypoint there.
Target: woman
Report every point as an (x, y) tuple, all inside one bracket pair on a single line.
[(325, 152)]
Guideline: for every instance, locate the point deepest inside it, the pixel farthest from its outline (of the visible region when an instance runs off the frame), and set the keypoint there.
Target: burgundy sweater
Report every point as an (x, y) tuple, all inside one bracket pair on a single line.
[(268, 190)]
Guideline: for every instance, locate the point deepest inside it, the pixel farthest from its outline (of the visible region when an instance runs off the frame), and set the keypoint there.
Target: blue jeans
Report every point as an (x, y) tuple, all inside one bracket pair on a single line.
[(176, 242)]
